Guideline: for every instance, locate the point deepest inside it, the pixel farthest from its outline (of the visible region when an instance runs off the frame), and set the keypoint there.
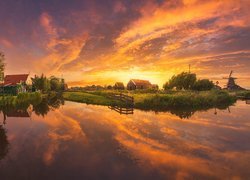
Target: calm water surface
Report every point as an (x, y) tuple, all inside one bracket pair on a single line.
[(78, 141)]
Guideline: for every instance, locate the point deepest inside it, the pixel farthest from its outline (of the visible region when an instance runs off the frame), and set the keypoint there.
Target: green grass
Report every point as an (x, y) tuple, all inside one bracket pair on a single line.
[(89, 98), (194, 100), (158, 101), (21, 100), (242, 94)]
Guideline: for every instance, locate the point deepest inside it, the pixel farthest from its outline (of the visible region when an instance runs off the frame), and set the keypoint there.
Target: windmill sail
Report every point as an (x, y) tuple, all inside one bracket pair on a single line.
[(231, 84)]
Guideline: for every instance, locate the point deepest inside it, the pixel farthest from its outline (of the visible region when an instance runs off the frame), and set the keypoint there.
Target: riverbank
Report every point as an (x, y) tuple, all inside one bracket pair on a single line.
[(21, 100), (96, 98), (157, 101)]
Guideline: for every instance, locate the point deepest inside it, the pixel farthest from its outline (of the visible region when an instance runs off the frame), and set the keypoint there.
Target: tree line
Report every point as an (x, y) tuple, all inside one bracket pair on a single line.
[(44, 84), (2, 66), (188, 81)]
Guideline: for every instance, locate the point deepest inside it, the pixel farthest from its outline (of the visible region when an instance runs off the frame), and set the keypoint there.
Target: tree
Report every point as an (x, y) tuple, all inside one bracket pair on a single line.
[(203, 85), (2, 66), (183, 80), (109, 87), (55, 84), (41, 83)]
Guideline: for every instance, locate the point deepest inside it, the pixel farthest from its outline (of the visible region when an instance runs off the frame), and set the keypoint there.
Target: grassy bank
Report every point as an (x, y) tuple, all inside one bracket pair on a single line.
[(97, 98), (158, 101), (242, 94), (21, 100), (191, 100)]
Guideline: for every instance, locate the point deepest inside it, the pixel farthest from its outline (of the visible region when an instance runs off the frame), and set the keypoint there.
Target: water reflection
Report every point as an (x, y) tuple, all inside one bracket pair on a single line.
[(47, 104), (9, 112), (247, 101), (122, 110), (183, 113), (4, 143), (82, 141), (51, 102)]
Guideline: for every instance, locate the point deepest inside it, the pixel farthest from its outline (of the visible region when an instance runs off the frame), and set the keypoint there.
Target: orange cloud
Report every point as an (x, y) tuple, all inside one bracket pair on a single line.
[(161, 41)]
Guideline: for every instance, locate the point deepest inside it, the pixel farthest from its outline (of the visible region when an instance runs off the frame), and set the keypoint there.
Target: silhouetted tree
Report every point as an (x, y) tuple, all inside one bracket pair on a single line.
[(181, 81), (203, 85), (55, 84), (2, 66)]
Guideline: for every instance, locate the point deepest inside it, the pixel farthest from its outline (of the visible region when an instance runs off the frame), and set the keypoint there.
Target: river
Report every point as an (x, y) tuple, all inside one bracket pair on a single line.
[(79, 141)]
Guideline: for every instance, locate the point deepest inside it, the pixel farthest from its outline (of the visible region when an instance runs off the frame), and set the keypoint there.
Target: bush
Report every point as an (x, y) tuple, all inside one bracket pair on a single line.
[(203, 85)]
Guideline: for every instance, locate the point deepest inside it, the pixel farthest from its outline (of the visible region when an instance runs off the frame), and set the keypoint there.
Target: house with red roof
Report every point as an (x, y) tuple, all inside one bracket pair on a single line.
[(14, 84)]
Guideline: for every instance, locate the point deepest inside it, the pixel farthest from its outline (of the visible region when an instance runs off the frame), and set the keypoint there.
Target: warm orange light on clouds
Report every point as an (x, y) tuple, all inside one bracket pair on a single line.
[(90, 42)]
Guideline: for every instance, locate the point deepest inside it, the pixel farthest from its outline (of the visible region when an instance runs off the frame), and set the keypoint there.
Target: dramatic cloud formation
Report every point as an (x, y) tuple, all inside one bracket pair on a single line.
[(97, 42)]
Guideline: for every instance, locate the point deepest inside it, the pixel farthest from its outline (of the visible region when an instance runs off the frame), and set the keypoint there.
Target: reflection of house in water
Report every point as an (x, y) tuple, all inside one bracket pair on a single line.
[(14, 113), (122, 110), (248, 101)]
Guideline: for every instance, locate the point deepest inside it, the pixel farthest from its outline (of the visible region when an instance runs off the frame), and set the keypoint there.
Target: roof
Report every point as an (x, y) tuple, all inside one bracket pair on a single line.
[(11, 80), (119, 84), (14, 113), (139, 82)]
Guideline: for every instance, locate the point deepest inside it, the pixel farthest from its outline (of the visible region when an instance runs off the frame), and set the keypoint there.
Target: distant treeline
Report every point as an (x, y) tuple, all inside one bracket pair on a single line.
[(182, 81)]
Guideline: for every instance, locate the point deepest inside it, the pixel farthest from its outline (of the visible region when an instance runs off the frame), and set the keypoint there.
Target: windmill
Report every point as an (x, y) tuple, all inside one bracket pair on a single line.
[(231, 85)]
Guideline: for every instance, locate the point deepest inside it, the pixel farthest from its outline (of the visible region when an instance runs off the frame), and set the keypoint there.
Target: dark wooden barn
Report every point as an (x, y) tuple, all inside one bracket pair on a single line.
[(134, 84), (119, 86)]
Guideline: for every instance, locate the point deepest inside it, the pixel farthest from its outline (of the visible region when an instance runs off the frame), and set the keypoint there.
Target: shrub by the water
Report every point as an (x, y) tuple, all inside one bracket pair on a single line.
[(186, 99), (243, 94), (203, 85), (7, 101)]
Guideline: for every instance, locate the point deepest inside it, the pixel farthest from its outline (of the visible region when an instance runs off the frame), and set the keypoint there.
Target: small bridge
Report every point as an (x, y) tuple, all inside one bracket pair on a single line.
[(129, 100), (122, 110)]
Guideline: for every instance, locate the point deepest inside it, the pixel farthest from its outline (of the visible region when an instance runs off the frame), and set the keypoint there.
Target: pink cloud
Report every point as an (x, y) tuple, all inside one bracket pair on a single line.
[(6, 43), (119, 7), (46, 21)]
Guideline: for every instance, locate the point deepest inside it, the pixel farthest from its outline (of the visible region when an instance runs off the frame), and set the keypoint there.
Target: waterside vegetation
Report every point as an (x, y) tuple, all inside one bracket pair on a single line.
[(21, 100), (157, 101)]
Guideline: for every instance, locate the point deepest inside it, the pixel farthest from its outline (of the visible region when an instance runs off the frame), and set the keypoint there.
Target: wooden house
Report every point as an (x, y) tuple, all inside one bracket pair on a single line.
[(14, 84), (134, 84), (119, 86)]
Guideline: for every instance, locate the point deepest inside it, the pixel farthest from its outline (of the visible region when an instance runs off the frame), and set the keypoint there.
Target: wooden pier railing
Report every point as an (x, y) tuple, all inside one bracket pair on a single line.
[(122, 110), (122, 97)]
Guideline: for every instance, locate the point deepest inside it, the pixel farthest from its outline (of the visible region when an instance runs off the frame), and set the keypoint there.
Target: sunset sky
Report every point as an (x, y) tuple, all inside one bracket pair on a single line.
[(104, 41)]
